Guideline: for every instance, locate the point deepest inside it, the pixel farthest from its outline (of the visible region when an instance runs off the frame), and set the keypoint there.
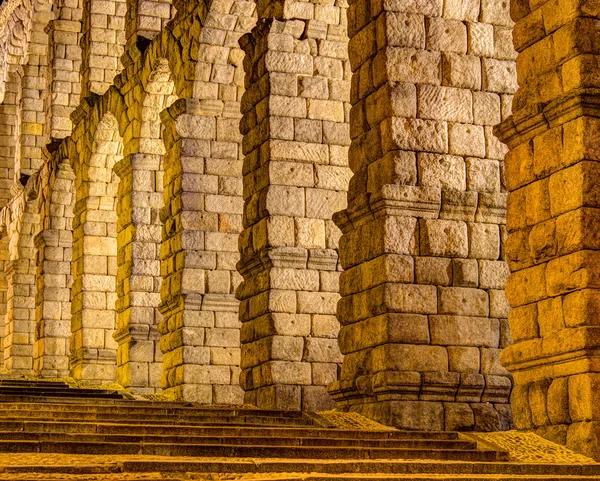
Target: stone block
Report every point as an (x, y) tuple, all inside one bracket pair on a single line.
[(462, 10), (433, 270), (466, 140), (446, 35), (463, 71), (480, 39), (442, 171), (420, 415), (464, 331), (443, 238), (582, 389), (464, 359), (458, 417), (499, 307), (465, 273), (445, 103), (492, 274), (316, 398), (483, 175), (463, 301), (400, 29)]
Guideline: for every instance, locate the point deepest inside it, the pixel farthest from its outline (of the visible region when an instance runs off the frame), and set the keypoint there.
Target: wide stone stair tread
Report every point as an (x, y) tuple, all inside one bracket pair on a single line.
[(219, 430), (15, 389), (245, 440), (138, 436), (192, 420)]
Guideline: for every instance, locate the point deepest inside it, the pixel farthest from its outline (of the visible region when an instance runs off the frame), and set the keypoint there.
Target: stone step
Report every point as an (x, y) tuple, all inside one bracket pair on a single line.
[(223, 431), (51, 386), (140, 409), (256, 451), (302, 477), (246, 440), (329, 470), (351, 467), (161, 419), (9, 391), (29, 382)]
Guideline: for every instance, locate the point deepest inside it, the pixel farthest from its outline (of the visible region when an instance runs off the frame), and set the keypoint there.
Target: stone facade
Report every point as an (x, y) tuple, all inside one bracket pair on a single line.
[(303, 205)]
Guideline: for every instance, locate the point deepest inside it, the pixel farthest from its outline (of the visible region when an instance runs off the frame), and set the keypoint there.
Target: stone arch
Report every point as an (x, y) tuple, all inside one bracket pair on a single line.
[(93, 349), (176, 52), (139, 359)]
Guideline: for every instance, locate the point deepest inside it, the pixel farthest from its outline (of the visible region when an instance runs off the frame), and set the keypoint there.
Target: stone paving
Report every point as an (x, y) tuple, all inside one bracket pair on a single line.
[(523, 447)]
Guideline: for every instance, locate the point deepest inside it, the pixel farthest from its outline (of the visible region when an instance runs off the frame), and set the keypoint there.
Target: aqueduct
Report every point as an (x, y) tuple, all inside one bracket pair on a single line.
[(301, 205)]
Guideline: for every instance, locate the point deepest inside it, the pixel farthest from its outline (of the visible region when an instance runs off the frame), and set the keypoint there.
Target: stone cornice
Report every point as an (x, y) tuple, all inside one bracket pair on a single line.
[(577, 103)]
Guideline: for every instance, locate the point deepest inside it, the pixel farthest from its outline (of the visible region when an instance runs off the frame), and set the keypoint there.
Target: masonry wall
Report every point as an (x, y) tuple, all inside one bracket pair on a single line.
[(198, 176)]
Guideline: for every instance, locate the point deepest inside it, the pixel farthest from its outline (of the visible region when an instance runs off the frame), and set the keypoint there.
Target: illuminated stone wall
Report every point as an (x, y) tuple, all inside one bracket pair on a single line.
[(302, 205)]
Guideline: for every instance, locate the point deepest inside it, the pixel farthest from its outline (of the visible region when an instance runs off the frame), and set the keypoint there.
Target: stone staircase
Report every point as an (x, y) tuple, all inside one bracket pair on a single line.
[(40, 418)]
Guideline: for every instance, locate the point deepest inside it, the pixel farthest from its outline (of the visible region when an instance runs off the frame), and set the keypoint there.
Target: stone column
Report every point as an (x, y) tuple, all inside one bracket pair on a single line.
[(3, 294), (64, 68), (102, 44), (94, 293), (199, 330), (295, 177), (54, 278), (8, 135), (20, 274), (18, 328), (552, 221), (422, 308), (145, 19), (33, 92), (138, 238)]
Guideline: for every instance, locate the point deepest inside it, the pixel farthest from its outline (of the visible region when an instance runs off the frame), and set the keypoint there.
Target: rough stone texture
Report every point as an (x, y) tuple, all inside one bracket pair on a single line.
[(420, 336), (54, 278), (295, 177), (169, 174), (551, 226)]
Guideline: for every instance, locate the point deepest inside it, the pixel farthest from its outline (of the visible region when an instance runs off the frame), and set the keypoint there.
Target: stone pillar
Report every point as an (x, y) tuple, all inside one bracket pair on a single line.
[(20, 296), (147, 18), (94, 291), (64, 68), (552, 221), (295, 177), (3, 294), (139, 357), (422, 308), (199, 330), (18, 328), (8, 135), (103, 41), (33, 91), (54, 278)]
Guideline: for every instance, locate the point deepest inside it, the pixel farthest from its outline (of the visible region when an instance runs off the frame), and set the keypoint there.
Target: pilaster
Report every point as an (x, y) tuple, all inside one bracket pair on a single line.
[(553, 214)]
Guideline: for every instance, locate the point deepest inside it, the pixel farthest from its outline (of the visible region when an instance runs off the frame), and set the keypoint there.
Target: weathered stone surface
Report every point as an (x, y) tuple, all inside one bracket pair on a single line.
[(209, 160)]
